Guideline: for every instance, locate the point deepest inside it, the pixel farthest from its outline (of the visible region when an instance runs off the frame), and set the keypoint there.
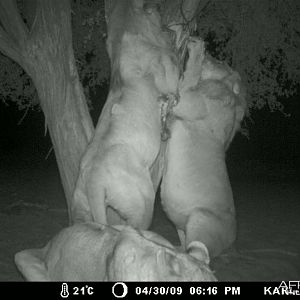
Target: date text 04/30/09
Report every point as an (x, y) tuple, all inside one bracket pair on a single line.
[(172, 290)]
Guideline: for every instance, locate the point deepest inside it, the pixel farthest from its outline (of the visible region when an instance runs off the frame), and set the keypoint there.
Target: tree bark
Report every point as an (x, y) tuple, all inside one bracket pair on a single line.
[(46, 54)]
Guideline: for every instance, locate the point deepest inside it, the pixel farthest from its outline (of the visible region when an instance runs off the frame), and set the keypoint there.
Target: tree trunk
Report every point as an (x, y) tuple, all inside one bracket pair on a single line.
[(46, 54)]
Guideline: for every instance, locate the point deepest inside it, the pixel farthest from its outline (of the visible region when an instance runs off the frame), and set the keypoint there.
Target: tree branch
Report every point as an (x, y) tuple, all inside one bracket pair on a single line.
[(179, 11), (8, 47), (51, 15), (189, 8), (12, 24), (179, 17)]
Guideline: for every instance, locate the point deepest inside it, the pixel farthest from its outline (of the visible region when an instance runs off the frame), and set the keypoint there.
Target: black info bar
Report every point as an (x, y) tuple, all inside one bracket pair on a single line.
[(150, 290)]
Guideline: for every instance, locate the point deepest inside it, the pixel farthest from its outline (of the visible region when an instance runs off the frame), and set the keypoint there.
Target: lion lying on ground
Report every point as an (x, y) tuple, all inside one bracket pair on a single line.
[(92, 252), (195, 191)]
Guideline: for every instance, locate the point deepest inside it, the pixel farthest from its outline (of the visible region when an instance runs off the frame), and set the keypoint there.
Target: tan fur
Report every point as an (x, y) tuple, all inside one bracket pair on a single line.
[(196, 192), (121, 169), (91, 252), (115, 169)]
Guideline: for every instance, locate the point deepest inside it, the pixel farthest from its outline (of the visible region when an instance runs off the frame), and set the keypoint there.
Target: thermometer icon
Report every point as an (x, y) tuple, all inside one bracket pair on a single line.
[(64, 291)]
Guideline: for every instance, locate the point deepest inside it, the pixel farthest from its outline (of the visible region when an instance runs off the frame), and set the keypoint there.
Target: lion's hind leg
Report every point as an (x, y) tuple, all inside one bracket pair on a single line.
[(216, 230)]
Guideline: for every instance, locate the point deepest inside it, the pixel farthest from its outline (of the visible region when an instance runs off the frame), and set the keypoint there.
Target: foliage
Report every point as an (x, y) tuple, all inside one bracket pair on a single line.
[(89, 32), (16, 86), (259, 38), (89, 36)]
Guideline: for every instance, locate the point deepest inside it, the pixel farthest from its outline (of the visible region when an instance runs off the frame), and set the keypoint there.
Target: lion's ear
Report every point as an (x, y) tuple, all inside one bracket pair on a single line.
[(199, 251), (31, 264)]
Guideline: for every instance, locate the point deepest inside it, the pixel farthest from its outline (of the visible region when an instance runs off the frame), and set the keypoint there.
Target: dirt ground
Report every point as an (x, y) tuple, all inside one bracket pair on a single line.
[(32, 210)]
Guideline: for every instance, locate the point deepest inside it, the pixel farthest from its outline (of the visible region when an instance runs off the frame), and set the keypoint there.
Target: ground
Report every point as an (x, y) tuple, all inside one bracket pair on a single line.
[(32, 210)]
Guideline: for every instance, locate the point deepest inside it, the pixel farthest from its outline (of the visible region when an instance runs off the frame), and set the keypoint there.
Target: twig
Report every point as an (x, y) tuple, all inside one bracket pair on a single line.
[(23, 117), (271, 250), (49, 152), (32, 205)]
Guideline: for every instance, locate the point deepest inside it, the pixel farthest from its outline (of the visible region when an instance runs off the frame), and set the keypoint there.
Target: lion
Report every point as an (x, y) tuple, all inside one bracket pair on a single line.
[(121, 168), (94, 252), (195, 191)]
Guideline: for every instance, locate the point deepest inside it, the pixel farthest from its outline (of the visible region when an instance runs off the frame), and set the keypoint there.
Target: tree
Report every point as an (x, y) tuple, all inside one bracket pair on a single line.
[(45, 52), (41, 43), (260, 39)]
